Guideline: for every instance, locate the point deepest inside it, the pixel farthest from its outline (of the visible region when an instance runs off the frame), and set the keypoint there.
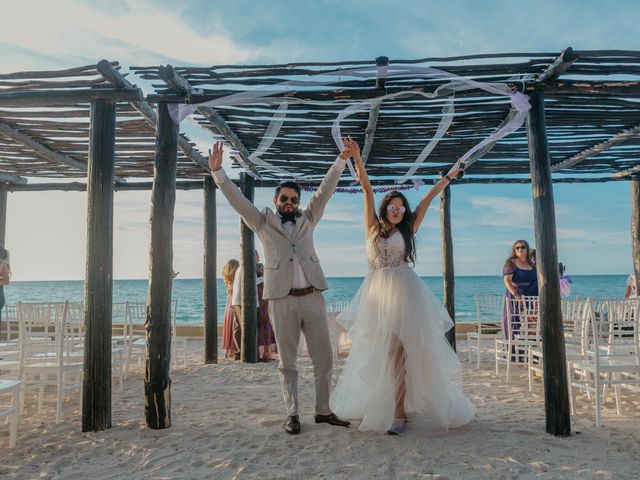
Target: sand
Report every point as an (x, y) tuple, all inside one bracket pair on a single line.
[(228, 424)]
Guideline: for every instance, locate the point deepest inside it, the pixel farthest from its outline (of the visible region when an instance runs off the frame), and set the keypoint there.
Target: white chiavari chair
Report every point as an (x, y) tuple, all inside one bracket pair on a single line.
[(522, 332), (611, 356), (49, 352), (10, 407), (488, 324)]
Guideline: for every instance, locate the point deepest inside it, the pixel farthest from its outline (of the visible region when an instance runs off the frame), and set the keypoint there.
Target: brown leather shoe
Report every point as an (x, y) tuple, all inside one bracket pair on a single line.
[(293, 425), (331, 419)]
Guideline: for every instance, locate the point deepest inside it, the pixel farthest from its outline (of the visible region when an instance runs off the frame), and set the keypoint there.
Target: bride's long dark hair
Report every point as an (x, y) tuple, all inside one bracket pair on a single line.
[(405, 226)]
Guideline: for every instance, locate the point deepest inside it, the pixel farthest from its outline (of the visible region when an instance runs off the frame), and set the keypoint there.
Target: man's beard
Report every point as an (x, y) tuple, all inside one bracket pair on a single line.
[(288, 216)]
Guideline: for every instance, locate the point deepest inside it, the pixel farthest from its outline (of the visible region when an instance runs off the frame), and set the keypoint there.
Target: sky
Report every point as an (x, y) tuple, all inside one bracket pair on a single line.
[(46, 231)]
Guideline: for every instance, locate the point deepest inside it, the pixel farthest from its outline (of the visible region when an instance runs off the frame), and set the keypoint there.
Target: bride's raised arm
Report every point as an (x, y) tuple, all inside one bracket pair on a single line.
[(370, 218), (423, 206)]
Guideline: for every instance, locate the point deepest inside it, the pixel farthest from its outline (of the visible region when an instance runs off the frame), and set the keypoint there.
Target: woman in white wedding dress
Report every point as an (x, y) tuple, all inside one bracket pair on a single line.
[(400, 362)]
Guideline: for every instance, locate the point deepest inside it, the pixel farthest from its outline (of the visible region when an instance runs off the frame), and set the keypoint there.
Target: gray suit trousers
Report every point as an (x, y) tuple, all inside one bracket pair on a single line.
[(292, 315)]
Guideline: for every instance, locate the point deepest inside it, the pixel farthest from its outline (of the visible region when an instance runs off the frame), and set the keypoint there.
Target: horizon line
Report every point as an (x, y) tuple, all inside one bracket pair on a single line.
[(328, 276)]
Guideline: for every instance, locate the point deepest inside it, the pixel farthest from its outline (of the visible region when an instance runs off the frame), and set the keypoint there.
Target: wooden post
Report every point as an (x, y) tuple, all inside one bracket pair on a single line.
[(3, 214), (555, 376), (157, 381), (448, 276), (3, 229), (210, 286), (249, 323), (98, 291), (635, 226)]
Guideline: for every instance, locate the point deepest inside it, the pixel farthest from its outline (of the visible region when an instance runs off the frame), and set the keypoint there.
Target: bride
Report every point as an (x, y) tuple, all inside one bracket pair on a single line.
[(400, 362)]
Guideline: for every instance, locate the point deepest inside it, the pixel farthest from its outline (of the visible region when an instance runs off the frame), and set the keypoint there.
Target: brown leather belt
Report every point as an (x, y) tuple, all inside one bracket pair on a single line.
[(298, 292)]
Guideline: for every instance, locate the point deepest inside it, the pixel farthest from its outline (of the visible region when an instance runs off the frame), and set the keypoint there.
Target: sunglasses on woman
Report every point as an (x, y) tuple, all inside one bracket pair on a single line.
[(520, 247), (283, 199), (393, 208)]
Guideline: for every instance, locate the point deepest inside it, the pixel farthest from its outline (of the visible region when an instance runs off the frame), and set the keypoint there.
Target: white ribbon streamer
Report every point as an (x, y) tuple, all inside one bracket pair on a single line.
[(445, 123), (268, 138), (519, 101)]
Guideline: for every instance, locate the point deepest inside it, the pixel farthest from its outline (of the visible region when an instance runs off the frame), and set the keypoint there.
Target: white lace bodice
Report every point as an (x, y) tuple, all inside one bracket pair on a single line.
[(386, 252)]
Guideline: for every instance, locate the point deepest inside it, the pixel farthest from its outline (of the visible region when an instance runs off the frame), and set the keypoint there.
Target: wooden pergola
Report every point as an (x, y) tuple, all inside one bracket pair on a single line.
[(92, 122), (583, 127)]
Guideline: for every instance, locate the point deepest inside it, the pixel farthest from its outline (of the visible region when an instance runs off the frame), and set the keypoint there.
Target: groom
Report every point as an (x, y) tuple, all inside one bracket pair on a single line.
[(293, 280)]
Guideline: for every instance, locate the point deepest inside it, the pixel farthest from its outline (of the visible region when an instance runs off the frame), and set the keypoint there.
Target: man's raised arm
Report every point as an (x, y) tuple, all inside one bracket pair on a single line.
[(247, 210), (318, 202)]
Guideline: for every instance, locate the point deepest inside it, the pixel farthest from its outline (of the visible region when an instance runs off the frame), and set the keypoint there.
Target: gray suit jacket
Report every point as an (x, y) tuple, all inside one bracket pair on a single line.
[(279, 245)]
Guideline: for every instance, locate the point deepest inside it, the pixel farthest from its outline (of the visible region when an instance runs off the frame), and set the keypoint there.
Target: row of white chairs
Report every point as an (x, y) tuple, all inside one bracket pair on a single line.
[(602, 342), (602, 345), (129, 331), (48, 350)]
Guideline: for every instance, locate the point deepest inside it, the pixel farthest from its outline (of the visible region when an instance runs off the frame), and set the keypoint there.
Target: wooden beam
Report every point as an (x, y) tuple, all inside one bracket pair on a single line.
[(157, 383), (82, 71), (109, 73), (68, 98), (580, 87), (624, 174), (448, 276), (635, 227), (209, 282), (505, 180), (559, 66), (16, 180), (43, 151), (221, 125), (374, 111), (381, 81), (599, 148), (602, 87), (98, 292), (555, 369), (369, 132), (197, 184), (249, 320), (172, 78)]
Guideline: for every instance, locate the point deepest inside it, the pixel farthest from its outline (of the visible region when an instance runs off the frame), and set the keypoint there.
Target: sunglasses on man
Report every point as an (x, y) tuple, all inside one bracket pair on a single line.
[(284, 198)]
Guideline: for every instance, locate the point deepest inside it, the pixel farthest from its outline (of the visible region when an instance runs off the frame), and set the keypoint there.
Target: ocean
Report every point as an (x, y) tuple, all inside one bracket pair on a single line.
[(190, 306)]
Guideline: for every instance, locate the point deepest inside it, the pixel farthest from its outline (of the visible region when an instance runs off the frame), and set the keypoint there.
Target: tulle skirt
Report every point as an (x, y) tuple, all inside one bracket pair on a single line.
[(397, 329)]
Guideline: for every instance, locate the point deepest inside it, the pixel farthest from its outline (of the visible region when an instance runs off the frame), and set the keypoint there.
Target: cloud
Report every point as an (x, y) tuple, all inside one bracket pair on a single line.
[(587, 236), (508, 212), (136, 33), (502, 212)]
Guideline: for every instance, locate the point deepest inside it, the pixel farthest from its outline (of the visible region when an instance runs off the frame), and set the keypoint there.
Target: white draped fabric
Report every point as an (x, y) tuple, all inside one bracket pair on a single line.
[(278, 94)]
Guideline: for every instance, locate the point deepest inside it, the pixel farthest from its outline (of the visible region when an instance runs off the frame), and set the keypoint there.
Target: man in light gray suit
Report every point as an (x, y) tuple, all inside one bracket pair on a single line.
[(293, 280)]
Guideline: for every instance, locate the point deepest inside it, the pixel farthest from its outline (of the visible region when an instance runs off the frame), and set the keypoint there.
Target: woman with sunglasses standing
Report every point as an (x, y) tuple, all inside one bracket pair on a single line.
[(400, 362), (520, 277)]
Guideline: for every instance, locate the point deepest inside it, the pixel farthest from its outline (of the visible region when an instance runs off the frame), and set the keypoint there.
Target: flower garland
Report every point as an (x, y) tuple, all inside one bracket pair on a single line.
[(355, 191)]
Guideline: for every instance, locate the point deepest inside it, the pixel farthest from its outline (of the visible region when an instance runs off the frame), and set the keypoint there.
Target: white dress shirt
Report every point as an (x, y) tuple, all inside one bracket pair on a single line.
[(299, 279)]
